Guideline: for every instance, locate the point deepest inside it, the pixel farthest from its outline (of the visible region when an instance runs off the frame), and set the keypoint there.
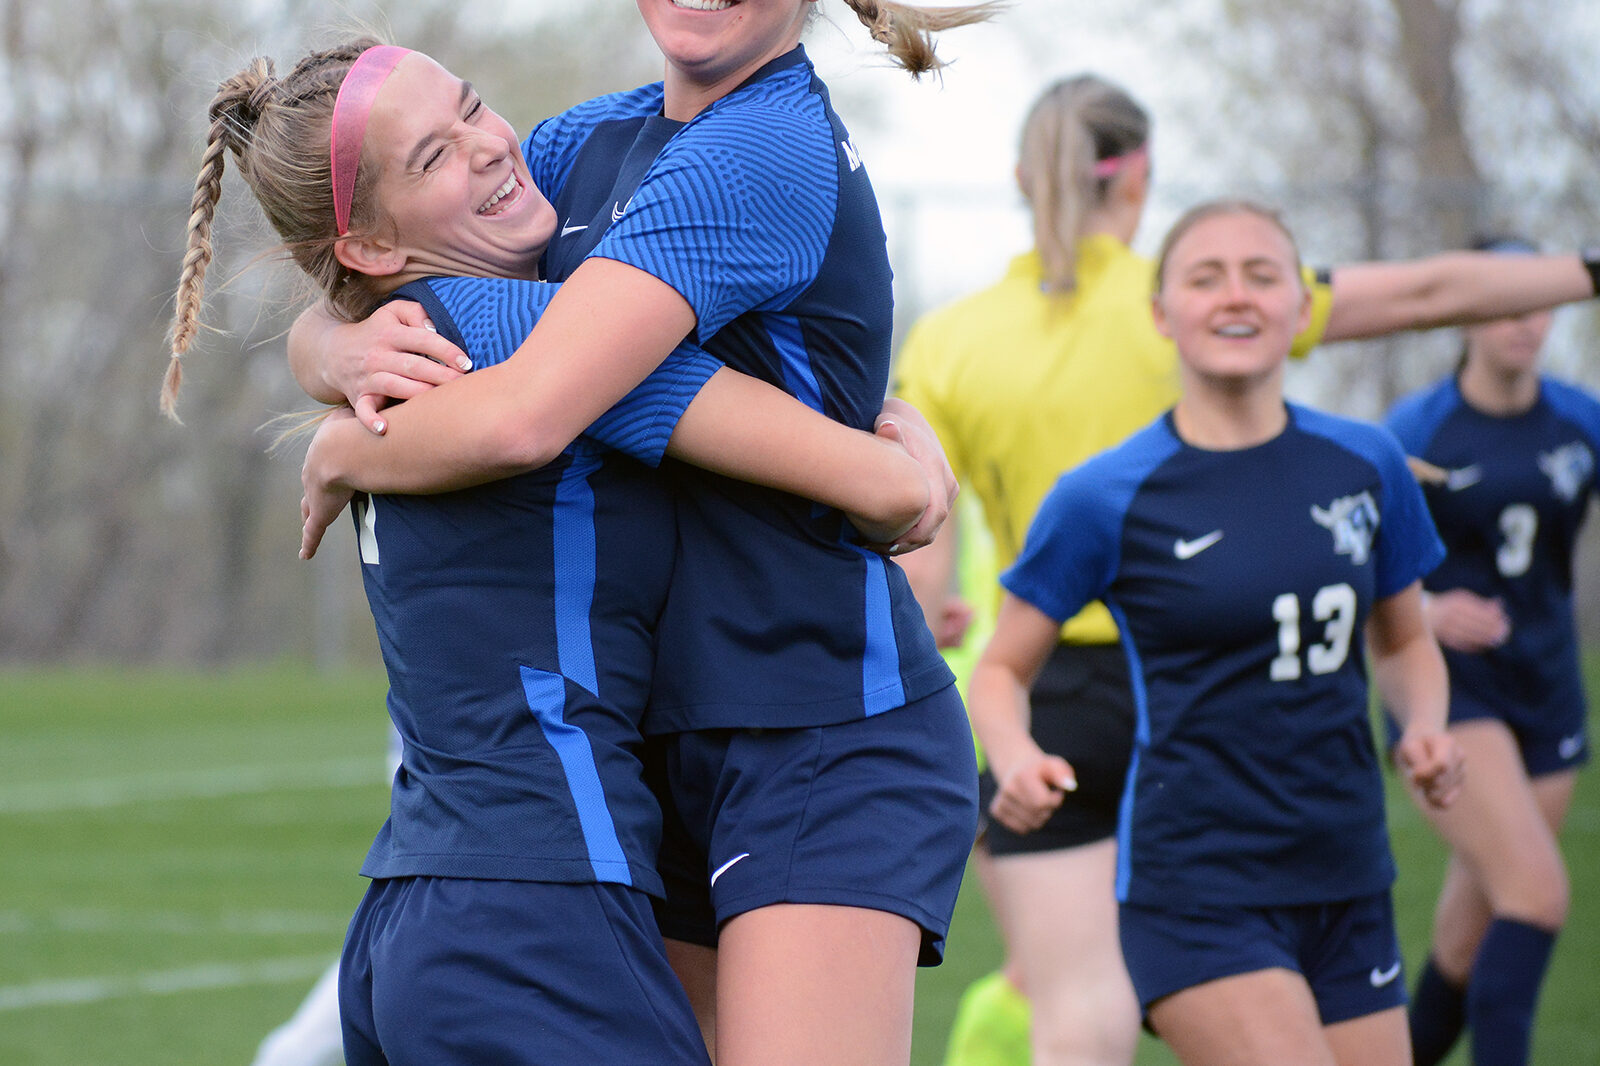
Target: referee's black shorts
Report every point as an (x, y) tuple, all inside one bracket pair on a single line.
[(1083, 712)]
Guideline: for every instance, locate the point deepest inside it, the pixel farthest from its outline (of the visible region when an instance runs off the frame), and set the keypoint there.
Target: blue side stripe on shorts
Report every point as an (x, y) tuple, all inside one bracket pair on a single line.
[(1141, 738), (790, 345), (547, 699), (574, 549), (881, 686)]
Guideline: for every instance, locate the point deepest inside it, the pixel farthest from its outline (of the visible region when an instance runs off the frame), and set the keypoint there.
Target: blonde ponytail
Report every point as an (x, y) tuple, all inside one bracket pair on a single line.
[(1073, 125), (907, 32)]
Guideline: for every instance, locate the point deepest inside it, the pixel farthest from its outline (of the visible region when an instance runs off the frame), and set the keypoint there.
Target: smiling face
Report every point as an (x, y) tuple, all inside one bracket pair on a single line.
[(452, 187), (711, 46), (1231, 298)]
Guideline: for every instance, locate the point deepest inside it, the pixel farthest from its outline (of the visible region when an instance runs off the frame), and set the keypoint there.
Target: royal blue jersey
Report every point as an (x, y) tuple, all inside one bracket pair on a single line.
[(1240, 581), (516, 621), (759, 212), (1516, 494)]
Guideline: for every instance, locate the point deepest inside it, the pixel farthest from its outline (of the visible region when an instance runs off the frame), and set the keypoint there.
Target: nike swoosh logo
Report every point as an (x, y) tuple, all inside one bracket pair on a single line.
[(569, 228), (1569, 747), (1188, 549), (1379, 978), (728, 865), (1464, 478)]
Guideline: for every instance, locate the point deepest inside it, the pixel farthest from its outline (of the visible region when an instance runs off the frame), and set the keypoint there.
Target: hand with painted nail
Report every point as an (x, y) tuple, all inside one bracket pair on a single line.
[(1031, 790), (392, 355)]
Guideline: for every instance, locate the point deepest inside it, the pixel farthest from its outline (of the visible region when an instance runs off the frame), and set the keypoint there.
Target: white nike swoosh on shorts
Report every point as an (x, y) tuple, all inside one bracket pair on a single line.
[(1379, 978), (727, 865)]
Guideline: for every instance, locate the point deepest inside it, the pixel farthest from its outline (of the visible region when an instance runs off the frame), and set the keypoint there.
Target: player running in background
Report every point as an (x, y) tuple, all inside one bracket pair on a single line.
[(1054, 363), (1518, 453), (1245, 548), (508, 919), (803, 706)]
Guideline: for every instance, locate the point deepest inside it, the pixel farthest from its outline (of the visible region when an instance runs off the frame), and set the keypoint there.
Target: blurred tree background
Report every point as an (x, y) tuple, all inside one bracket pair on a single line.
[(1384, 128)]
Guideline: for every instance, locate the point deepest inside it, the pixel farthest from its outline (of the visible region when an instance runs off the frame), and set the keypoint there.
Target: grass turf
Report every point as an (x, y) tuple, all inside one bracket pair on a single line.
[(180, 853)]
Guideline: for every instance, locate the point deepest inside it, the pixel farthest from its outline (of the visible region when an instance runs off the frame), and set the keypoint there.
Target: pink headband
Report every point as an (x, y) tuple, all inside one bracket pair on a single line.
[(351, 110), (1111, 167)]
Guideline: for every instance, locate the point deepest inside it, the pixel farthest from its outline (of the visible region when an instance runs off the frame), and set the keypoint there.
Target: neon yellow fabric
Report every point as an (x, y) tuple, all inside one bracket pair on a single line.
[(991, 1025), (1021, 386)]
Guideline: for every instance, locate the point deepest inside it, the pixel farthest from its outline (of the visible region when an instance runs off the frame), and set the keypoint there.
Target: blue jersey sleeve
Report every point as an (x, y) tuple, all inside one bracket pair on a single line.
[(1578, 407), (491, 317), (737, 210), (1072, 549), (554, 144)]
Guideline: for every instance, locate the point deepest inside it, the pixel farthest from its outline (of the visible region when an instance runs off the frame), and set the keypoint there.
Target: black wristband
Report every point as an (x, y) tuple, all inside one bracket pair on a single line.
[(1590, 257)]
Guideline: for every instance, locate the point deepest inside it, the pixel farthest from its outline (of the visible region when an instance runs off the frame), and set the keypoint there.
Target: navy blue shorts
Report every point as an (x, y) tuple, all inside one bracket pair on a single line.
[(878, 812), (1083, 711), (456, 972), (1347, 951), (1549, 746)]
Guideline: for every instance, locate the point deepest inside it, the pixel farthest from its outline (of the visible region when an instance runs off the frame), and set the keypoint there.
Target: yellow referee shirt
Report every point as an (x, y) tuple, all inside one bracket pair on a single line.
[(1021, 386)]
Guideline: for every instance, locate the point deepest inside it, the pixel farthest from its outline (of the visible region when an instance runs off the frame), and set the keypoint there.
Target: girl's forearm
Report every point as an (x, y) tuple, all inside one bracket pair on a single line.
[(747, 429), (1414, 683), (1450, 289)]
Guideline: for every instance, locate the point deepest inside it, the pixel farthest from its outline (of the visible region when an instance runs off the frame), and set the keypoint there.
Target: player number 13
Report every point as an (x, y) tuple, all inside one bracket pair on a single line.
[(1333, 604)]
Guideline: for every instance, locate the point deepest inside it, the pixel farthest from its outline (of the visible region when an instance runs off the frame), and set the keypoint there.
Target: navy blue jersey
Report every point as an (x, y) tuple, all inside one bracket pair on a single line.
[(516, 621), (759, 212), (1517, 492), (1240, 581)]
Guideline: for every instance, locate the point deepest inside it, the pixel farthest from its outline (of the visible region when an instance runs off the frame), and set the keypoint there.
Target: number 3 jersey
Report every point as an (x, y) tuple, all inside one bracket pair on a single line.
[(1240, 581), (1515, 495)]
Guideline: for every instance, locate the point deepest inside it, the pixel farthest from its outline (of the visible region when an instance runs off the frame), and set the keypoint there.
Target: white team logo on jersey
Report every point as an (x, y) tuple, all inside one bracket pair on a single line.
[(1567, 467), (851, 156), (619, 209), (1353, 521)]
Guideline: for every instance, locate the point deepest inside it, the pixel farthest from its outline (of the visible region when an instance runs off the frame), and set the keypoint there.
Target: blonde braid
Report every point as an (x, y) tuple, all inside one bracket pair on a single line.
[(907, 32), (233, 113)]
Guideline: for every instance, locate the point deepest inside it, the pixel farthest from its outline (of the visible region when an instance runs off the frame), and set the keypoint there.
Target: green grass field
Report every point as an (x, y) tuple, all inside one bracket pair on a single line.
[(178, 857)]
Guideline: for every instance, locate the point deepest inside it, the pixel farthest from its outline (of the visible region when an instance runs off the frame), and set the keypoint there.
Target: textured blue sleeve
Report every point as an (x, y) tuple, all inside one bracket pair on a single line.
[(493, 316), (554, 144), (737, 211), (641, 423)]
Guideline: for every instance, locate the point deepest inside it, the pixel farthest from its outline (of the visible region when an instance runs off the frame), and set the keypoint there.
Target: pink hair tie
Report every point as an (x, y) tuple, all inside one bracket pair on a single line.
[(351, 109), (1111, 167)]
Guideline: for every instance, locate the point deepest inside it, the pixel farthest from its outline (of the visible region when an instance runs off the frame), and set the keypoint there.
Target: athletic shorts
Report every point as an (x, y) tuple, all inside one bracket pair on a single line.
[(456, 972), (1082, 711), (1347, 952), (1549, 744), (877, 812)]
